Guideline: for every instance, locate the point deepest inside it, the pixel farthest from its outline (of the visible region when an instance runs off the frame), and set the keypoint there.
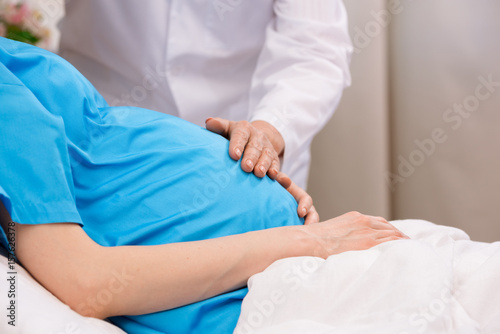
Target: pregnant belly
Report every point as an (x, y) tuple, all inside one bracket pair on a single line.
[(158, 179)]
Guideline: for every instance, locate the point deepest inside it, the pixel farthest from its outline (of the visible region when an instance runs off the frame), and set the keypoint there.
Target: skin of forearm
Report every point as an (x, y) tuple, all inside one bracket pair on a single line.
[(102, 281), (167, 276)]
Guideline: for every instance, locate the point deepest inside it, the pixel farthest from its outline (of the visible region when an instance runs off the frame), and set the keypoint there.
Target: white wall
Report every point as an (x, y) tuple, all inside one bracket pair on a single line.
[(434, 52), (436, 66), (351, 155)]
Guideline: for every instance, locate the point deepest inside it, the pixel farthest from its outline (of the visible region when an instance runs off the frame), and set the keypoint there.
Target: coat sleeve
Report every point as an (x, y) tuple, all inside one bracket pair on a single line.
[(302, 71)]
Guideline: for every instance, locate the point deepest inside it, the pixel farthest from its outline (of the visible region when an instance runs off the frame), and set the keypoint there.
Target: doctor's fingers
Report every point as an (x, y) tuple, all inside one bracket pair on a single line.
[(259, 155), (258, 152), (237, 132), (268, 163), (305, 207), (218, 125), (284, 180), (224, 128), (240, 133), (312, 216)]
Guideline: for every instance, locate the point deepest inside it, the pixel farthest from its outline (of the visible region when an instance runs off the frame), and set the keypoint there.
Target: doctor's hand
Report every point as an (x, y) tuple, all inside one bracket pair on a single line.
[(259, 142), (304, 200)]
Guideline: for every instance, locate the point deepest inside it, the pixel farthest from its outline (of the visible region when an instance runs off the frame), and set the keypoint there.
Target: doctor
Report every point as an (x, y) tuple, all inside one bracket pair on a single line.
[(270, 73)]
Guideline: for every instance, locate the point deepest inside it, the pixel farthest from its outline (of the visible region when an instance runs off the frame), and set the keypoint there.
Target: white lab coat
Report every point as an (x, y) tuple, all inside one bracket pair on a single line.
[(283, 61)]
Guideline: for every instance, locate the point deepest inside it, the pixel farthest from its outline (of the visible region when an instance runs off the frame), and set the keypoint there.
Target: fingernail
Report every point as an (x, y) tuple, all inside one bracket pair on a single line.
[(208, 119), (304, 211), (274, 170), (249, 163), (262, 169), (237, 151)]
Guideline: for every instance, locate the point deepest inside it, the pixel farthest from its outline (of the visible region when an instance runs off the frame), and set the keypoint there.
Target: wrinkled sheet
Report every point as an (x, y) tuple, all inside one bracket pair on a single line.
[(438, 282)]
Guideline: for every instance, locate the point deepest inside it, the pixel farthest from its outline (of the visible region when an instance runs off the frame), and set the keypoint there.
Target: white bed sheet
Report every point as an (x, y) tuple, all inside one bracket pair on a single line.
[(438, 282), (38, 311)]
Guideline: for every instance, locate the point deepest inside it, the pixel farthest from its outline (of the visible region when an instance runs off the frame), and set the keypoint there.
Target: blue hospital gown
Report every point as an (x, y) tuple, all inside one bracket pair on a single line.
[(128, 176)]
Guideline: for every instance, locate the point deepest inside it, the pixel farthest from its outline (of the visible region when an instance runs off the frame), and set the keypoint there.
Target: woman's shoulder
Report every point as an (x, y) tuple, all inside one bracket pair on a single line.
[(40, 69), (14, 54), (12, 46)]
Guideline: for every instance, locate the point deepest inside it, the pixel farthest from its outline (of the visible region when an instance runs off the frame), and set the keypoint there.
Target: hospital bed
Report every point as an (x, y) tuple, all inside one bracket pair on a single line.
[(38, 311)]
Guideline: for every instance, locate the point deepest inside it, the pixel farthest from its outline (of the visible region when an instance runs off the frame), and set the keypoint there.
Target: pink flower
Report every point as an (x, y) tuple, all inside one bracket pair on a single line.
[(16, 14), (21, 23)]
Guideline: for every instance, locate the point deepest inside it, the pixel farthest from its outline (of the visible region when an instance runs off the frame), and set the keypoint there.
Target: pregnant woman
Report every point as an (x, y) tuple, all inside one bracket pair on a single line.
[(142, 205)]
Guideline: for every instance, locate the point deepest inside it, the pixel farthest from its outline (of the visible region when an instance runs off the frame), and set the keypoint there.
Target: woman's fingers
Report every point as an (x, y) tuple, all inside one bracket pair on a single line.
[(382, 224), (383, 234), (386, 239)]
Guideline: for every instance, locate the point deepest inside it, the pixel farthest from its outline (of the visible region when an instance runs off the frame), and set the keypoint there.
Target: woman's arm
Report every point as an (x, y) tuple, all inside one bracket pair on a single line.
[(129, 280)]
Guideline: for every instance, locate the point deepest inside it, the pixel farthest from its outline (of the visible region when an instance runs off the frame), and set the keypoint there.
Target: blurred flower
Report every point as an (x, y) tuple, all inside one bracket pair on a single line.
[(19, 22), (17, 14)]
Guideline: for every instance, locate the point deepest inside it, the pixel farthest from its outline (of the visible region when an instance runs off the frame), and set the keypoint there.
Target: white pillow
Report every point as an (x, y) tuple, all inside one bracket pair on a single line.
[(37, 310)]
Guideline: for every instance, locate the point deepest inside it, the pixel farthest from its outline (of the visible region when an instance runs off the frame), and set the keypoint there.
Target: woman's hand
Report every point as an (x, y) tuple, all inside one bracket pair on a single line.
[(305, 203), (351, 231), (259, 142)]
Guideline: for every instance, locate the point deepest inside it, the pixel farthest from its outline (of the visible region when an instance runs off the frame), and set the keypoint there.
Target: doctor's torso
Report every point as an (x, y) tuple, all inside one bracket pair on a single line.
[(189, 58)]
